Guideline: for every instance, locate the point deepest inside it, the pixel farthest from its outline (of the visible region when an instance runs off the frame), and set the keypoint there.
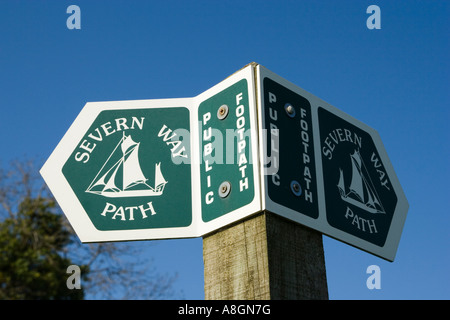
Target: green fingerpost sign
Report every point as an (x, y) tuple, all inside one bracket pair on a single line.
[(125, 171), (226, 164)]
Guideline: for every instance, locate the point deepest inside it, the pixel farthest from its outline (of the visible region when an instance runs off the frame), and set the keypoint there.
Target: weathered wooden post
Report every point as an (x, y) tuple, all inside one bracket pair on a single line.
[(319, 171), (264, 257)]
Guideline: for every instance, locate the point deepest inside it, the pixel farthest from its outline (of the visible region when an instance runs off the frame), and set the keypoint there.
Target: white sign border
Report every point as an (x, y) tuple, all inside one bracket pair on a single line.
[(254, 206), (68, 201), (389, 249)]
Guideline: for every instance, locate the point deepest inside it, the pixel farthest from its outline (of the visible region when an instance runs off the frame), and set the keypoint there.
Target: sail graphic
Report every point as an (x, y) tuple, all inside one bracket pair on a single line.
[(124, 177), (361, 191)]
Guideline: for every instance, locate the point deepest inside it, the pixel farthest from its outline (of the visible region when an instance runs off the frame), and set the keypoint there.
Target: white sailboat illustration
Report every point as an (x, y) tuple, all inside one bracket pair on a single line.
[(361, 192), (125, 178)]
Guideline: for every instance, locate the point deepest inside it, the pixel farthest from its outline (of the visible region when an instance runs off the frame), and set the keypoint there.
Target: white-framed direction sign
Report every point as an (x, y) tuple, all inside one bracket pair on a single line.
[(114, 174), (329, 171), (181, 168), (229, 165), (155, 169)]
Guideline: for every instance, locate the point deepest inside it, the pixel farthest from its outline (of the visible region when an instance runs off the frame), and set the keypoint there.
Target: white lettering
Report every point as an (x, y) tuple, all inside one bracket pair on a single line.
[(150, 208), (165, 133), (272, 97), (238, 99), (381, 174), (206, 117), (108, 208), (241, 144), (121, 212), (135, 121), (305, 156), (209, 198), (360, 223), (105, 129), (176, 144), (121, 124), (308, 195), (243, 184), (337, 136), (276, 179), (207, 134), (204, 311), (207, 149)]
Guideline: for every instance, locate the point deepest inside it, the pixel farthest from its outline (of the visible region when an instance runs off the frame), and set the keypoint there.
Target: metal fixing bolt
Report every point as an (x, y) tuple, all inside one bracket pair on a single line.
[(222, 112), (290, 110), (224, 189), (296, 188)]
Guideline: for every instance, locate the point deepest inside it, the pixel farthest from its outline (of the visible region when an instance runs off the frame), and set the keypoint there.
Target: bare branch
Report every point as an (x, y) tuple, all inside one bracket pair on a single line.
[(116, 270)]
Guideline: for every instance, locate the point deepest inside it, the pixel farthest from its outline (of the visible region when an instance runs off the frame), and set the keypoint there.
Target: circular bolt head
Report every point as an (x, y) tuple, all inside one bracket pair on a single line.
[(222, 112), (296, 188), (290, 110), (224, 189)]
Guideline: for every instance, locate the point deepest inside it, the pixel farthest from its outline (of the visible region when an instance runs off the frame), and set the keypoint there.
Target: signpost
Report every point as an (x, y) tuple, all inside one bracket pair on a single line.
[(157, 169), (361, 198), (329, 171), (228, 138), (253, 144), (123, 171)]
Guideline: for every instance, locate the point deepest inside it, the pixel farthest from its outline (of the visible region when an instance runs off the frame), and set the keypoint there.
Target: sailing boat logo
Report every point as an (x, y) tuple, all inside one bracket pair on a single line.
[(361, 191), (121, 174)]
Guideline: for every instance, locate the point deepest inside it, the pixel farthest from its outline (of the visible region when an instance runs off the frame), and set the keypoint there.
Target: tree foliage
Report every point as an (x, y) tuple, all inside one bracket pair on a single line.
[(37, 245), (32, 264)]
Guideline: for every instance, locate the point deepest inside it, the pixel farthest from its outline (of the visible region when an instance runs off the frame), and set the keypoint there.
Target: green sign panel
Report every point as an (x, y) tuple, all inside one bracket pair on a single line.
[(130, 169), (359, 196), (163, 168), (327, 170), (226, 168), (288, 117)]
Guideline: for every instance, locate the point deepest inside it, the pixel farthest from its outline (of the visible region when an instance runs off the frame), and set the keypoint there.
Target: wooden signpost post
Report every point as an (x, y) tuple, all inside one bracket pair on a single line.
[(264, 257), (256, 166)]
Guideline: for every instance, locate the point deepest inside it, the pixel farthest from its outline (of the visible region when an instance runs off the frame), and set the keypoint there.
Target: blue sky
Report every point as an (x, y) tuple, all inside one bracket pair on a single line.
[(395, 79)]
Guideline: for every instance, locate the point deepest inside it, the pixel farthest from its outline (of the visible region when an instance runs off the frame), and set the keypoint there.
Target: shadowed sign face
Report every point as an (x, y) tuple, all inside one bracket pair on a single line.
[(328, 171), (359, 196), (128, 170), (289, 119)]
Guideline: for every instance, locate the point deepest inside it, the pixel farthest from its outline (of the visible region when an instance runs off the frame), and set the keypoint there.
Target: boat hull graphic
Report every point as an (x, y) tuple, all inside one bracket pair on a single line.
[(129, 193)]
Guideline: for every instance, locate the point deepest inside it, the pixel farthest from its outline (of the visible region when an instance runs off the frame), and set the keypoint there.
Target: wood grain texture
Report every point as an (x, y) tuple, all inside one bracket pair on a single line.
[(264, 257)]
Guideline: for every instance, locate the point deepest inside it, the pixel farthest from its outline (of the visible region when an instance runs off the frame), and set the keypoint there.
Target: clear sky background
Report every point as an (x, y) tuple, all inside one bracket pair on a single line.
[(395, 79)]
